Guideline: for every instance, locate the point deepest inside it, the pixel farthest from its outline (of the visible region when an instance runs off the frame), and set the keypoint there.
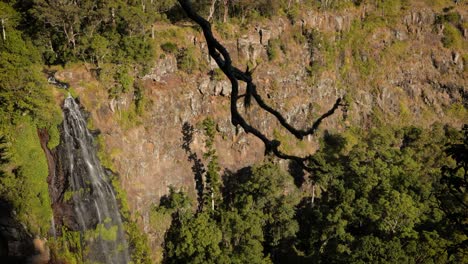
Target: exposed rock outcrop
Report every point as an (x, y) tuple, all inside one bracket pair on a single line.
[(403, 75)]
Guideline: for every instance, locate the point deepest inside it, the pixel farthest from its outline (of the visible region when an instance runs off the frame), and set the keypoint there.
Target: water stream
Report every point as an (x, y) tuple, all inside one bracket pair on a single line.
[(94, 202)]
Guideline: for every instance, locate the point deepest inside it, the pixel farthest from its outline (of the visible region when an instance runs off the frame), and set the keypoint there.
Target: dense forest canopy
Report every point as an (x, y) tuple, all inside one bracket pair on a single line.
[(384, 194), (396, 196)]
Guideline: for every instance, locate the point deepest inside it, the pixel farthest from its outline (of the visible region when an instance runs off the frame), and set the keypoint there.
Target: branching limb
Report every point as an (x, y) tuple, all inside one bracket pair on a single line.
[(222, 58)]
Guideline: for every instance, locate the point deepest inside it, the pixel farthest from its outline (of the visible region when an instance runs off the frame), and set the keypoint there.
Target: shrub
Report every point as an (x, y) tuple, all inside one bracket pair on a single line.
[(273, 49), (217, 74), (124, 78), (451, 17), (134, 50), (169, 47), (186, 60), (139, 97), (452, 37)]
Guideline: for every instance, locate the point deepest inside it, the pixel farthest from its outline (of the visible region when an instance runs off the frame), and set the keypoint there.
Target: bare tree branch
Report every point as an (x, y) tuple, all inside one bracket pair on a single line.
[(220, 54)]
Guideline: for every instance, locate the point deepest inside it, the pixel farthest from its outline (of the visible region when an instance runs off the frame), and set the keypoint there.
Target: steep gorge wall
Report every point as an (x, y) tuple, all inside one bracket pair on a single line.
[(403, 75)]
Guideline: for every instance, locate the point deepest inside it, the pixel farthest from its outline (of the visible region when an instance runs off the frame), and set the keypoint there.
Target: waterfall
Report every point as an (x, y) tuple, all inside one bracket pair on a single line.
[(96, 213)]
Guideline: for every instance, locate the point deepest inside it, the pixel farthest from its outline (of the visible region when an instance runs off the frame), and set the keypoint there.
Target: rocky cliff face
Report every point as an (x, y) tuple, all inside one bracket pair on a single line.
[(16, 244), (396, 73)]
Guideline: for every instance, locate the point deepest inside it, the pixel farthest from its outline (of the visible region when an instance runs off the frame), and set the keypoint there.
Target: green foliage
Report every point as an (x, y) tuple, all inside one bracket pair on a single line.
[(451, 17), (243, 236), (175, 201), (140, 98), (137, 240), (458, 110), (128, 118), (186, 60), (267, 187), (256, 9), (452, 37), (213, 181), (68, 195), (193, 240), (391, 8), (26, 104), (99, 49), (9, 18), (124, 81), (293, 13), (69, 247), (102, 231), (273, 49), (385, 183), (452, 25), (439, 3), (119, 81), (453, 194), (107, 234), (169, 47), (134, 49), (322, 50), (255, 218), (217, 74), (103, 157), (112, 30), (336, 4), (361, 58), (161, 216), (54, 136), (22, 86), (373, 202), (25, 182)]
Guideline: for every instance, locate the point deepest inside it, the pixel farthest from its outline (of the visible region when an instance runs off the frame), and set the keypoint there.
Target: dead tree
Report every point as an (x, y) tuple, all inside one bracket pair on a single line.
[(212, 10), (223, 59)]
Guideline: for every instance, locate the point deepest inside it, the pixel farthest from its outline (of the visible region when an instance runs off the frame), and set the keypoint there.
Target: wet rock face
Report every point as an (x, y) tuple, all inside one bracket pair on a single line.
[(15, 243), (83, 198), (58, 184)]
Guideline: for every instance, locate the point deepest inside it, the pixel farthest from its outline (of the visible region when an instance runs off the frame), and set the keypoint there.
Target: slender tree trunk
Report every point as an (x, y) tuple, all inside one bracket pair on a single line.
[(212, 10), (226, 10), (212, 201), (69, 33), (113, 16), (152, 31), (313, 194), (51, 46), (3, 29), (73, 41)]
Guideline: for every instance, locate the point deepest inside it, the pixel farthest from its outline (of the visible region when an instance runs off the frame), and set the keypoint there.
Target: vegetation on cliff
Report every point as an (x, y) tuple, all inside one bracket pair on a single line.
[(26, 104), (380, 194), (396, 195)]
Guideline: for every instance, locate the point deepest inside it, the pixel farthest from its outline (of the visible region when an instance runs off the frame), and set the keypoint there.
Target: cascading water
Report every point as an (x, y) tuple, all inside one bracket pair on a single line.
[(94, 203)]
